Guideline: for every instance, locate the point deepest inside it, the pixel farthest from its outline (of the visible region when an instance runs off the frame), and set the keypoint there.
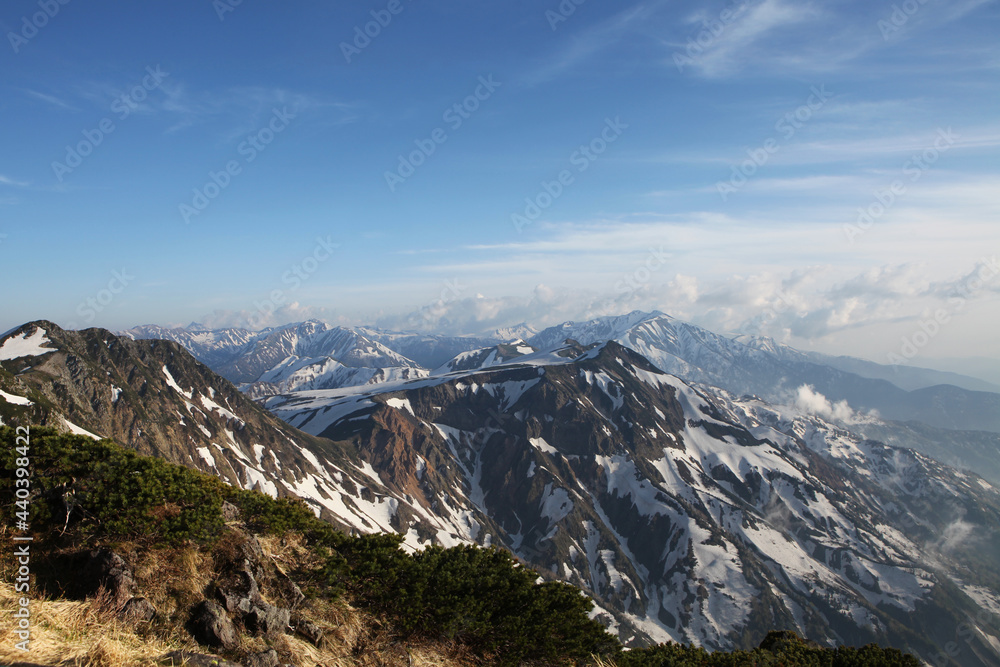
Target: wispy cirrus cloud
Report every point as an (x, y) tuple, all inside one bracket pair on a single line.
[(245, 107), (241, 108), (49, 99), (587, 43), (12, 183), (731, 51)]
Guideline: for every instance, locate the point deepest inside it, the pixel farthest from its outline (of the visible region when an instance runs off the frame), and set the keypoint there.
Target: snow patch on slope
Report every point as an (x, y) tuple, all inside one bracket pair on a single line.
[(16, 400), (176, 387), (22, 345)]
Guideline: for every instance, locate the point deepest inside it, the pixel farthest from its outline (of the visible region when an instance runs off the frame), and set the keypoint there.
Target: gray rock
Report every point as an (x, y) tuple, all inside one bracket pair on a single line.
[(230, 512), (268, 658), (211, 626), (238, 592), (252, 556), (267, 621), (108, 569), (138, 610), (308, 630)]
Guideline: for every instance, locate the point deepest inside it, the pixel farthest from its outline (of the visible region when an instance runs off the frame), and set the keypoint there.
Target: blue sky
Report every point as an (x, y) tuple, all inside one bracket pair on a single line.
[(713, 159)]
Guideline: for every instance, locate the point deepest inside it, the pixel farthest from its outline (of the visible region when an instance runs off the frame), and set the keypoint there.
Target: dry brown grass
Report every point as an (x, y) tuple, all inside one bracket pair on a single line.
[(172, 579), (75, 633), (88, 634)]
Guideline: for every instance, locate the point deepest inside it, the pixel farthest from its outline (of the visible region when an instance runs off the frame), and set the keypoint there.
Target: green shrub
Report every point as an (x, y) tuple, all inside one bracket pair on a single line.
[(104, 489), (779, 649), (481, 598)]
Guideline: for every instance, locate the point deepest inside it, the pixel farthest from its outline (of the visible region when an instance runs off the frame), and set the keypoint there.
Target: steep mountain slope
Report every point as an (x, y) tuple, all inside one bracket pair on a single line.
[(154, 397), (773, 372), (978, 451), (310, 340), (297, 373), (687, 515)]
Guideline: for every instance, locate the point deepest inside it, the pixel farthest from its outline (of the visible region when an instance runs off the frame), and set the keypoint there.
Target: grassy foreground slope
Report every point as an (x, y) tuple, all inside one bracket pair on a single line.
[(356, 600)]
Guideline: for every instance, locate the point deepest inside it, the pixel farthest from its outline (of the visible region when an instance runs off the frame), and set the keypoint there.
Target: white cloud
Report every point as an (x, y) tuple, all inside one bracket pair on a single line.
[(728, 53), (259, 319), (955, 534), (811, 402)]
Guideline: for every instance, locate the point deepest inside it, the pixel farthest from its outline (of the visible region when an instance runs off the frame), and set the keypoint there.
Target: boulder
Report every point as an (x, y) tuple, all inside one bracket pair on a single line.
[(250, 555), (138, 610), (238, 592), (106, 568), (287, 590), (211, 626), (230, 512), (267, 620)]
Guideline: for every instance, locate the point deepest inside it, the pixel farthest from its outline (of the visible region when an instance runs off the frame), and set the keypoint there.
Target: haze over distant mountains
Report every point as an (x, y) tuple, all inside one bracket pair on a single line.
[(315, 355)]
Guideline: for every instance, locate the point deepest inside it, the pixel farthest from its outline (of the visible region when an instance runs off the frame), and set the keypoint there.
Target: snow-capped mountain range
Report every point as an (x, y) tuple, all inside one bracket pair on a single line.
[(299, 356), (688, 512), (956, 425)]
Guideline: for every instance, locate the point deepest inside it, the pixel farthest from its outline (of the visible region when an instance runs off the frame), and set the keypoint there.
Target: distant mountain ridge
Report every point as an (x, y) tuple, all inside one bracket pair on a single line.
[(218, 347), (760, 366), (909, 378), (315, 356)]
